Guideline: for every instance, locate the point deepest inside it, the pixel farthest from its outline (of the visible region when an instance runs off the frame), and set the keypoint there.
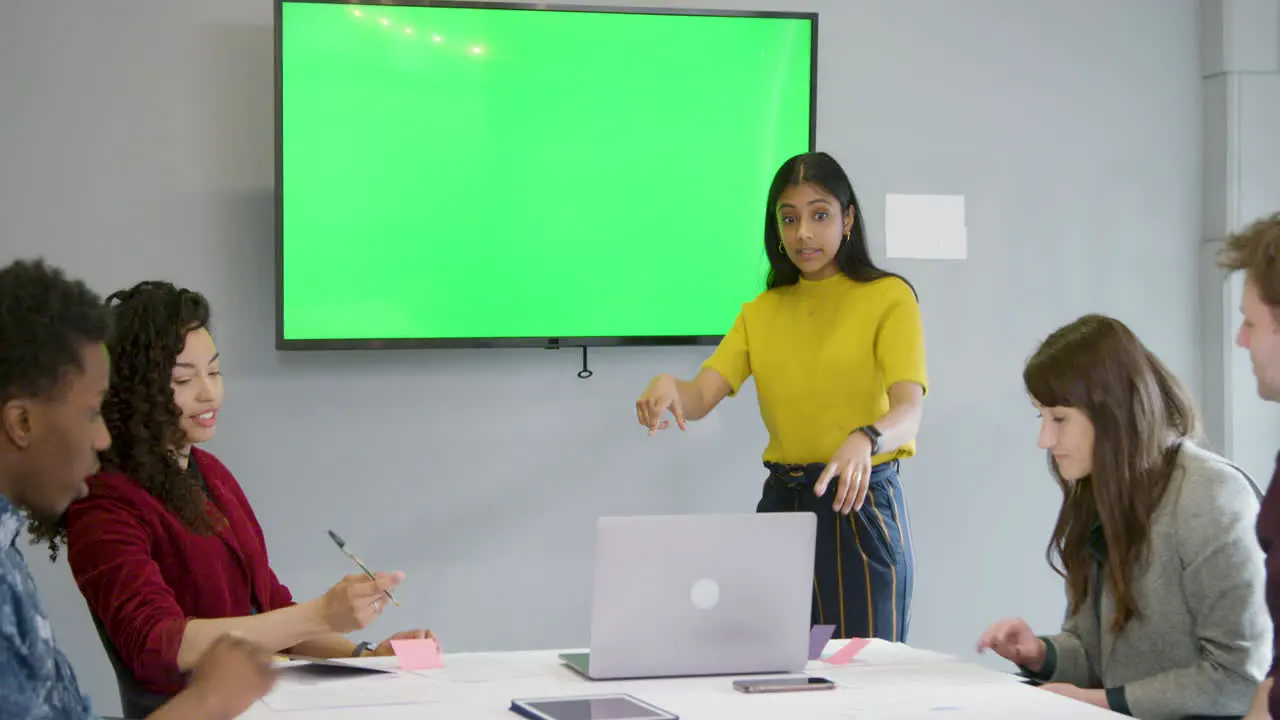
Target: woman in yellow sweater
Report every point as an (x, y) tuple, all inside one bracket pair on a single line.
[(836, 347)]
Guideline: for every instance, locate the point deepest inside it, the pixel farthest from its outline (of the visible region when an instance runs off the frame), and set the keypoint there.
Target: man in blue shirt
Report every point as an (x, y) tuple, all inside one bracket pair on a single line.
[(54, 372)]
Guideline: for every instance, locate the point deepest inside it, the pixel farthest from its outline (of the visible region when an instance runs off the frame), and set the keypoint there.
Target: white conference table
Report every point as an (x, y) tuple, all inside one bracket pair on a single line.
[(885, 680)]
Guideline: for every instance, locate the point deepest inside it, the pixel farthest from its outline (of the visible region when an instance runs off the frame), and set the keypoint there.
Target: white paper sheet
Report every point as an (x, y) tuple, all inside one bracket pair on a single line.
[(925, 227), (480, 668), (397, 689)]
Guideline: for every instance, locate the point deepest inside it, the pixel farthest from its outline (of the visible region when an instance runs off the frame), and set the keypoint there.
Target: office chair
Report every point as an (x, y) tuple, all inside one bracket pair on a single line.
[(136, 702)]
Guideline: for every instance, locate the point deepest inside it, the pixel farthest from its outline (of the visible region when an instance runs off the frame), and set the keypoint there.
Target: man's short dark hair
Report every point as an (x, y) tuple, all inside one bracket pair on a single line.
[(45, 322)]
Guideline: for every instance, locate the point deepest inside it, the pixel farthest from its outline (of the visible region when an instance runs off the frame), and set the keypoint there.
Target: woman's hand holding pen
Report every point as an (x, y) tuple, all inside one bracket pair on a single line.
[(357, 601)]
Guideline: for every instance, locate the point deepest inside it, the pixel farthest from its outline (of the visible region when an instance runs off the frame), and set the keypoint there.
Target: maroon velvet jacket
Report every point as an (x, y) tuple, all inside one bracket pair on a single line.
[(1269, 537), (143, 573)]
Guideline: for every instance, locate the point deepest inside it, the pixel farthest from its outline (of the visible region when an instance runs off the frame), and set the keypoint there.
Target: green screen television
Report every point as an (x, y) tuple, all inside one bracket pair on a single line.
[(468, 174)]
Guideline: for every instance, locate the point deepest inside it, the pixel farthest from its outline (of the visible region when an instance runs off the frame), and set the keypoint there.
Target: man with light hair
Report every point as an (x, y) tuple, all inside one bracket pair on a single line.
[(1256, 251)]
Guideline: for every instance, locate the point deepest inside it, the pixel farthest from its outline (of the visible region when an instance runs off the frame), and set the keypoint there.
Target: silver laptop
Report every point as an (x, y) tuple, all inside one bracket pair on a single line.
[(682, 595)]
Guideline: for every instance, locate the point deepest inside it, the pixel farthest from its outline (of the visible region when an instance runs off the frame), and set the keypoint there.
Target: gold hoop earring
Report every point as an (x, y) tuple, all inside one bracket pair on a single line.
[(782, 248)]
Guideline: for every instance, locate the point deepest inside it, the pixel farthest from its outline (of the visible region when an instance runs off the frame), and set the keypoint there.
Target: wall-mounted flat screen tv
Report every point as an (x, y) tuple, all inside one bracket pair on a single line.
[(468, 174)]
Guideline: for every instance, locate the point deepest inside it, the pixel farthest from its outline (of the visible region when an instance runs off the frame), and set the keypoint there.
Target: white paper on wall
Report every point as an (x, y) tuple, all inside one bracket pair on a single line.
[(925, 227)]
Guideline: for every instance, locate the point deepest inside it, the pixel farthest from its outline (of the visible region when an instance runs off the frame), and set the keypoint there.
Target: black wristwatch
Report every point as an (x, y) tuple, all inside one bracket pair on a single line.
[(361, 648), (874, 434)]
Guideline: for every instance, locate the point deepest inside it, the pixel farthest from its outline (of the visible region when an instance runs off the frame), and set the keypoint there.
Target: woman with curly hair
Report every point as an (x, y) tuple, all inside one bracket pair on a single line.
[(166, 549)]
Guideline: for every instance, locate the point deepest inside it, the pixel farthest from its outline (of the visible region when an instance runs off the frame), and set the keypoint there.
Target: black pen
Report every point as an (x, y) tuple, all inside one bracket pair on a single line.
[(343, 547)]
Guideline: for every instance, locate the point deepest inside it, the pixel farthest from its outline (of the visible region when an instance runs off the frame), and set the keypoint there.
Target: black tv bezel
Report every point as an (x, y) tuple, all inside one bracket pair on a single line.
[(283, 343)]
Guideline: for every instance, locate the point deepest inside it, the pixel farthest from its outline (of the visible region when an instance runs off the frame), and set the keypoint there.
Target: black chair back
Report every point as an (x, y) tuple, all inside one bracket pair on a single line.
[(136, 702)]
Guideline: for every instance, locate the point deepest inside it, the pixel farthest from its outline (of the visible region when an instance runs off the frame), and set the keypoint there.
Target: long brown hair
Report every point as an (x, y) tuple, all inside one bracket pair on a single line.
[(1140, 414)]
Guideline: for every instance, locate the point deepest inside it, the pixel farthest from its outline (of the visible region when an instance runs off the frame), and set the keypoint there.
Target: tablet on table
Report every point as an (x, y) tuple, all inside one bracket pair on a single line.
[(618, 706)]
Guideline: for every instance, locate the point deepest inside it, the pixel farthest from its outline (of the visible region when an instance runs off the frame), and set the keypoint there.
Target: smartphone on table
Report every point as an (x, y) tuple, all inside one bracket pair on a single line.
[(785, 684)]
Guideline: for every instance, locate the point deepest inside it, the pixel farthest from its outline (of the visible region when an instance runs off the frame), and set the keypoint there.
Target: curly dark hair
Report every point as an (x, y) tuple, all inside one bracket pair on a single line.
[(150, 325), (45, 322)]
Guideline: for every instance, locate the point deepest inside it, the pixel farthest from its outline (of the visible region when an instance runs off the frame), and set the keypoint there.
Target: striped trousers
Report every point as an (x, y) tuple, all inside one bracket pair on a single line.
[(864, 565)]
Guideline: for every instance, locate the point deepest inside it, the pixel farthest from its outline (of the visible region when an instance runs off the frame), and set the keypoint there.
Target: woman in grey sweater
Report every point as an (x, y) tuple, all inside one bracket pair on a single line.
[(1155, 540)]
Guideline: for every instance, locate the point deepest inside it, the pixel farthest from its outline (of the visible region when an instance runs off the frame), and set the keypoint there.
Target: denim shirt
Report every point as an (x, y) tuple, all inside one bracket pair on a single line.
[(36, 680)]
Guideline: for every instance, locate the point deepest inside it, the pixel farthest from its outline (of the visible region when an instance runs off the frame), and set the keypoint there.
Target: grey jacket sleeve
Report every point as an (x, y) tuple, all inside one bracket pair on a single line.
[(1222, 585), (1066, 660)]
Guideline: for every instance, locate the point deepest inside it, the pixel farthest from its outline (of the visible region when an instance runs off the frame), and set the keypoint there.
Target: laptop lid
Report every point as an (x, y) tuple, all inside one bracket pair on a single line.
[(679, 595)]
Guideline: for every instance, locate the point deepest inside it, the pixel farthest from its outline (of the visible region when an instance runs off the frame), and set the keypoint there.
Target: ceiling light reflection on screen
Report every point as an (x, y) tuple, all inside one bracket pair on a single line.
[(408, 30)]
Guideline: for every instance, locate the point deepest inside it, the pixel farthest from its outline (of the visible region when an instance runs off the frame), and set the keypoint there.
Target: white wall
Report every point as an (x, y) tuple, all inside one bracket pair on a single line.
[(1240, 66), (135, 141)]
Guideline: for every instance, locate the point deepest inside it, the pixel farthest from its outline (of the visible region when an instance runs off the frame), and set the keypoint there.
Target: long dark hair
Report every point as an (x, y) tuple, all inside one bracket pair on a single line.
[(150, 325), (1141, 414), (853, 258)]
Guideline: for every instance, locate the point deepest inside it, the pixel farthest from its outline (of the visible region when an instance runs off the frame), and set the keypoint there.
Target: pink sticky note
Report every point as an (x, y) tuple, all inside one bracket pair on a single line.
[(846, 653), (418, 654)]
